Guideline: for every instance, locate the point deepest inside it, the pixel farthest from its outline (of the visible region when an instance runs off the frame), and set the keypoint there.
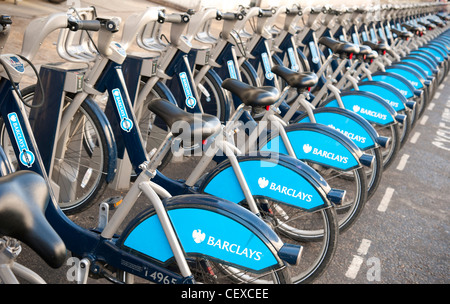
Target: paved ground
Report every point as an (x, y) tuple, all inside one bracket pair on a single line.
[(402, 235)]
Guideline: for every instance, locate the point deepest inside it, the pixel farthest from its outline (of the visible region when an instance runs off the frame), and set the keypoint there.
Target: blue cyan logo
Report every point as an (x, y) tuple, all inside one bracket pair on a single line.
[(267, 69), (125, 123), (190, 99), (26, 157)]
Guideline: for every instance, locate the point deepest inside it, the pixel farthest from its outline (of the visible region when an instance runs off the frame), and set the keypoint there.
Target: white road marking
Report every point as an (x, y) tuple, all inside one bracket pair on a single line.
[(415, 137), (386, 200), (357, 261), (402, 163), (424, 120)]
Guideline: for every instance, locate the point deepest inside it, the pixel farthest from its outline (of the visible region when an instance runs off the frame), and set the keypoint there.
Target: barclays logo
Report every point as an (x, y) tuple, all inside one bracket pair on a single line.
[(307, 148), (199, 237), (371, 113), (263, 183)]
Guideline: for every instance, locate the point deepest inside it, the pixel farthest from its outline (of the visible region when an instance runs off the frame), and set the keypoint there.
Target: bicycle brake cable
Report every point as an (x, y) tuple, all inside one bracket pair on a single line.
[(15, 87)]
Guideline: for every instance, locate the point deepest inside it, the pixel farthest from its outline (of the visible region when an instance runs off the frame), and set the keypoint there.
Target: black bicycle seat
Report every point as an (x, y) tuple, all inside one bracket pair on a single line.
[(364, 50), (250, 95), (402, 34), (380, 47), (373, 55), (302, 80), (436, 22), (23, 200), (339, 47), (201, 126), (415, 29)]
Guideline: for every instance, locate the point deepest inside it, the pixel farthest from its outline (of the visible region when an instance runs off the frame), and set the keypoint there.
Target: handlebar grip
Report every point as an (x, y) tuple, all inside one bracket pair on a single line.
[(294, 11), (88, 25), (232, 16), (176, 18), (265, 13)]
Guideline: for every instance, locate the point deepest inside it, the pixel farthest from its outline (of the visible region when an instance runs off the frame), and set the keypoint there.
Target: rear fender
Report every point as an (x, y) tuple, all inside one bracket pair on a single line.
[(275, 176), (206, 227), (352, 125), (320, 144), (370, 106)]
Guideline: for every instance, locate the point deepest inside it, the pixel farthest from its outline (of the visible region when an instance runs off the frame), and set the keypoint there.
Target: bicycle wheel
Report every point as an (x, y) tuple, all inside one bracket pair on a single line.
[(389, 153), (213, 98), (81, 159), (374, 174), (209, 272), (317, 232)]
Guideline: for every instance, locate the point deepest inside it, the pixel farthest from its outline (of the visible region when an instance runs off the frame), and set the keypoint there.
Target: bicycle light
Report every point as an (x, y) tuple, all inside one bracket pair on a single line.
[(367, 160), (291, 253), (336, 196), (383, 141)]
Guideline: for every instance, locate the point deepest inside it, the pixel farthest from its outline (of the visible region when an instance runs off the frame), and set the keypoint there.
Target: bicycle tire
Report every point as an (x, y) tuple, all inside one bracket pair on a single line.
[(212, 97), (390, 153), (318, 250)]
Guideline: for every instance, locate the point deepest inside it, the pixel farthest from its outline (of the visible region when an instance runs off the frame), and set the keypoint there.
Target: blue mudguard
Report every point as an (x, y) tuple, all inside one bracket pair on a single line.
[(398, 81), (352, 125), (207, 227), (388, 92), (275, 176), (422, 63), (413, 76), (370, 106), (320, 144)]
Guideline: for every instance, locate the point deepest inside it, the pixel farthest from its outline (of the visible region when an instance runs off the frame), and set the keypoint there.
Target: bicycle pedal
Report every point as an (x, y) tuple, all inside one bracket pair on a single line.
[(114, 202)]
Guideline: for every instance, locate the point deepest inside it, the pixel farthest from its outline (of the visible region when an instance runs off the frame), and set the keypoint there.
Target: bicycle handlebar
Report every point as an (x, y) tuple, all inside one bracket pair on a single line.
[(176, 18), (91, 25), (265, 13), (232, 16)]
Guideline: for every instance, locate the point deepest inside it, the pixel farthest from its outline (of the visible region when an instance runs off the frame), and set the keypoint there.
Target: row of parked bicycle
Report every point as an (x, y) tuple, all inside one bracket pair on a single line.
[(294, 124)]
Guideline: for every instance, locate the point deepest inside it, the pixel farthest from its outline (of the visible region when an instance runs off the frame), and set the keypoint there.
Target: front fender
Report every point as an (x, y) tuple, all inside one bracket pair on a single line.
[(109, 136)]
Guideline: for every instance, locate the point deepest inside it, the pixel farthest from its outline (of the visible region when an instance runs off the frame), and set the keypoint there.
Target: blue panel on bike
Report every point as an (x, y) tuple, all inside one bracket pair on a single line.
[(347, 126), (421, 65), (202, 232), (402, 87), (374, 112), (391, 98), (435, 53), (417, 84), (269, 179), (316, 147)]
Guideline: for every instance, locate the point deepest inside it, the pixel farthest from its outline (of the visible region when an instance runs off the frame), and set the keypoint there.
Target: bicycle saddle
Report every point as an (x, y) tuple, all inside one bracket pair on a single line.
[(381, 46), (427, 24), (302, 80), (200, 125), (402, 34), (373, 55), (250, 95), (413, 28), (23, 200), (365, 50), (339, 47)]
